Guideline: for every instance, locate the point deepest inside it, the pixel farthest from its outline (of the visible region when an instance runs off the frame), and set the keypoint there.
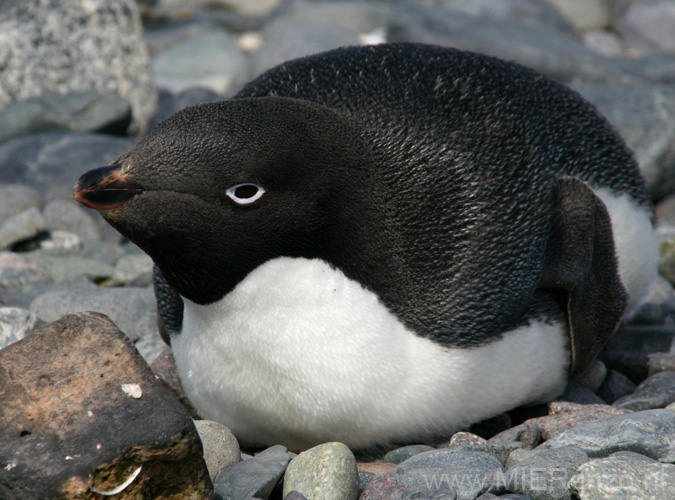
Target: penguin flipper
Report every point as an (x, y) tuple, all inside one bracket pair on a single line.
[(169, 307), (582, 263)]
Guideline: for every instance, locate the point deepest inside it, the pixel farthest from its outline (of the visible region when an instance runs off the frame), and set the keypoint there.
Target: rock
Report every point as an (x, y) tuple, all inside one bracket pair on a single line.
[(593, 378), (132, 309), (658, 391), (51, 162), (517, 456), (624, 476), (254, 477), (15, 198), (545, 475), (16, 324), (375, 468), (649, 432), (20, 227), (637, 365), (364, 479), (648, 25), (652, 338), (170, 103), (65, 269), (440, 473), (75, 46), (18, 274), (220, 446), (527, 433), (491, 426), (384, 487), (585, 14), (325, 472), (64, 215), (603, 42), (404, 453), (464, 440), (209, 59), (577, 393), (77, 112), (615, 386), (645, 118), (80, 410), (552, 53), (164, 367), (135, 270), (564, 416)]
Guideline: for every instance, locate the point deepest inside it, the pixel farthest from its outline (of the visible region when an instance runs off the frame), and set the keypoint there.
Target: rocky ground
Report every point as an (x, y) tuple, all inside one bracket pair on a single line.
[(97, 75)]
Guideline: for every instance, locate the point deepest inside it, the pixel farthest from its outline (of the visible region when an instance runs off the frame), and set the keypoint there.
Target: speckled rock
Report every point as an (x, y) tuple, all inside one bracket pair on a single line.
[(404, 453), (16, 323), (658, 391), (80, 411), (325, 472), (649, 432), (384, 487), (440, 473), (564, 415), (528, 434), (253, 477), (544, 476), (624, 476), (220, 446)]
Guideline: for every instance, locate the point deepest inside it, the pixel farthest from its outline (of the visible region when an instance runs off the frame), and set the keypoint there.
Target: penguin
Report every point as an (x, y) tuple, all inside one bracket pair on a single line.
[(383, 244)]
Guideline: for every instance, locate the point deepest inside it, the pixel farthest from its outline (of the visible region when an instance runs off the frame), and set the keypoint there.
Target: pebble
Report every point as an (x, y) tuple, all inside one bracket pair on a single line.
[(20, 227), (404, 453), (220, 446), (529, 434), (658, 391), (615, 386), (254, 477), (545, 475), (16, 324), (577, 393), (648, 25), (624, 476), (593, 378), (649, 432), (564, 415), (325, 472)]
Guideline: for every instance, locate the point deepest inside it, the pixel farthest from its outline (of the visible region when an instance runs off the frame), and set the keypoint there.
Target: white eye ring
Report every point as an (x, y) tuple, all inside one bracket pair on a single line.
[(245, 197)]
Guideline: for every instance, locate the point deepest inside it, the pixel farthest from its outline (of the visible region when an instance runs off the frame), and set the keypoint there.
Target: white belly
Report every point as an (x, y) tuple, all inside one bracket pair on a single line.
[(298, 354)]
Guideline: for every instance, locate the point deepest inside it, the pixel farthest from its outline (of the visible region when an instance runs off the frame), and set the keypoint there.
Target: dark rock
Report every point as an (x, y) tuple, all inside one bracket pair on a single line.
[(254, 477), (384, 487), (552, 53), (439, 473), (594, 376), (653, 338), (53, 161), (649, 432), (528, 434), (565, 415), (404, 453), (77, 112), (164, 367), (624, 476), (508, 496), (80, 410), (636, 365), (220, 446), (658, 391), (577, 393), (491, 426), (615, 386), (645, 118), (364, 479), (545, 475), (524, 413)]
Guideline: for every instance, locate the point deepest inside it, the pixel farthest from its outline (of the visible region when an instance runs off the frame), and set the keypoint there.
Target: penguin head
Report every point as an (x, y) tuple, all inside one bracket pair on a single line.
[(220, 188)]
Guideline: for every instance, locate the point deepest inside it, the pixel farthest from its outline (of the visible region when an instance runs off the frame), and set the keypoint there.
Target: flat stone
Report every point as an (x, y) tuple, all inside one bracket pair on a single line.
[(545, 475), (21, 227), (81, 411), (384, 487), (615, 386), (325, 472), (440, 473), (593, 378), (624, 476), (649, 432), (636, 365), (404, 453), (67, 268), (253, 477), (658, 391), (564, 416), (220, 446), (528, 434), (17, 323), (577, 393)]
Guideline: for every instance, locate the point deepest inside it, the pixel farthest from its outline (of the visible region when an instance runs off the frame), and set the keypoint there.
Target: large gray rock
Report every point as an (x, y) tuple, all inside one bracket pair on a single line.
[(658, 391), (75, 45), (648, 25)]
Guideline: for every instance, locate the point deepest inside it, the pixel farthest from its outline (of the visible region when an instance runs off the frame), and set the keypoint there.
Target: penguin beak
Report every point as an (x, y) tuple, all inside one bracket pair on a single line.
[(104, 188)]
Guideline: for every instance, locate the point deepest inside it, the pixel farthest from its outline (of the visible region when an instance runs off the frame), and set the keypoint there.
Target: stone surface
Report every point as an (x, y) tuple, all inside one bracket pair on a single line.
[(164, 366), (404, 453), (80, 410), (325, 472), (77, 111), (564, 415), (253, 477), (615, 386), (64, 215), (135, 270), (593, 378), (624, 476), (544, 476), (637, 365), (651, 338), (658, 391), (649, 432), (440, 473), (15, 198), (579, 394), (22, 226), (75, 45), (528, 434), (16, 324), (648, 25), (220, 446), (384, 487)]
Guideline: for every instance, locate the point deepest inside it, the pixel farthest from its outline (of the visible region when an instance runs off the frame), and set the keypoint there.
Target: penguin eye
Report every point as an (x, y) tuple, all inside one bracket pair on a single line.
[(245, 194)]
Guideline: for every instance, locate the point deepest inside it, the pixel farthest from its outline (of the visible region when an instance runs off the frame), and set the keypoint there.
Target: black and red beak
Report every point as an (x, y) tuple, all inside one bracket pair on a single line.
[(104, 188)]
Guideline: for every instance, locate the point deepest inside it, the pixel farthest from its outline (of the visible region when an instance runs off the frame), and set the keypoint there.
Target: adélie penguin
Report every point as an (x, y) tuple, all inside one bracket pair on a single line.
[(383, 244)]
